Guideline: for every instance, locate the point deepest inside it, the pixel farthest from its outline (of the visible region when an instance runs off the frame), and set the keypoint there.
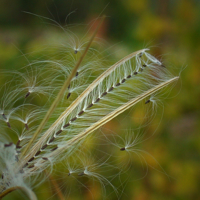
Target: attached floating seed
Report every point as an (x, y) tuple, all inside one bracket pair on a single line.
[(98, 99), (140, 55), (90, 105), (135, 73), (123, 149), (17, 145), (144, 65), (80, 113), (110, 89), (73, 119), (147, 101), (45, 158), (25, 165), (58, 132), (75, 51), (31, 159), (129, 76), (66, 125), (2, 176), (31, 166), (118, 84), (54, 149), (105, 93), (45, 146), (8, 145), (37, 153), (76, 74), (52, 139), (123, 80)]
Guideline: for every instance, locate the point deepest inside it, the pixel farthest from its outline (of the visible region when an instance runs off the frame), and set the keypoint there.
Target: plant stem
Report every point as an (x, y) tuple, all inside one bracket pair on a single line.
[(61, 93)]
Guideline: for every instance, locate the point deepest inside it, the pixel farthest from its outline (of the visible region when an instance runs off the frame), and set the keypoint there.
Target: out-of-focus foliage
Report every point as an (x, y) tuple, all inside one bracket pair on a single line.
[(172, 30)]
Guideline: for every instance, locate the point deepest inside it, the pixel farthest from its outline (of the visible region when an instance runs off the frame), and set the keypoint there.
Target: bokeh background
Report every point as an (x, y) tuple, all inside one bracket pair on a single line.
[(171, 28)]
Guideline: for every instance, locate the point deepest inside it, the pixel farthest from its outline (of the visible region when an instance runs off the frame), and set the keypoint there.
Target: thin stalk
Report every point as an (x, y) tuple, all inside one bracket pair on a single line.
[(61, 93), (27, 191)]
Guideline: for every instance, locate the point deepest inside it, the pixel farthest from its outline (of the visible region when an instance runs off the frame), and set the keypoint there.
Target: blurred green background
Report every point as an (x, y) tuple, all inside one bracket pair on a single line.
[(171, 29)]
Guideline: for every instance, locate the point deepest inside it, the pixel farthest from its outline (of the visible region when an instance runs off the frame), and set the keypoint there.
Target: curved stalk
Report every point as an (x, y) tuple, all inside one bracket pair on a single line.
[(31, 195)]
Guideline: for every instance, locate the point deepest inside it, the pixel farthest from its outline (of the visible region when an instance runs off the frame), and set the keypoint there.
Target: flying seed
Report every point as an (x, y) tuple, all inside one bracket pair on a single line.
[(8, 145), (45, 146), (68, 86), (76, 74), (147, 101), (52, 139), (66, 125), (81, 174), (21, 171), (80, 113), (75, 51), (58, 132), (31, 159), (111, 88), (3, 115), (69, 94), (162, 65), (69, 174), (37, 153), (54, 149), (135, 73), (2, 176), (123, 149), (118, 84), (27, 94)]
